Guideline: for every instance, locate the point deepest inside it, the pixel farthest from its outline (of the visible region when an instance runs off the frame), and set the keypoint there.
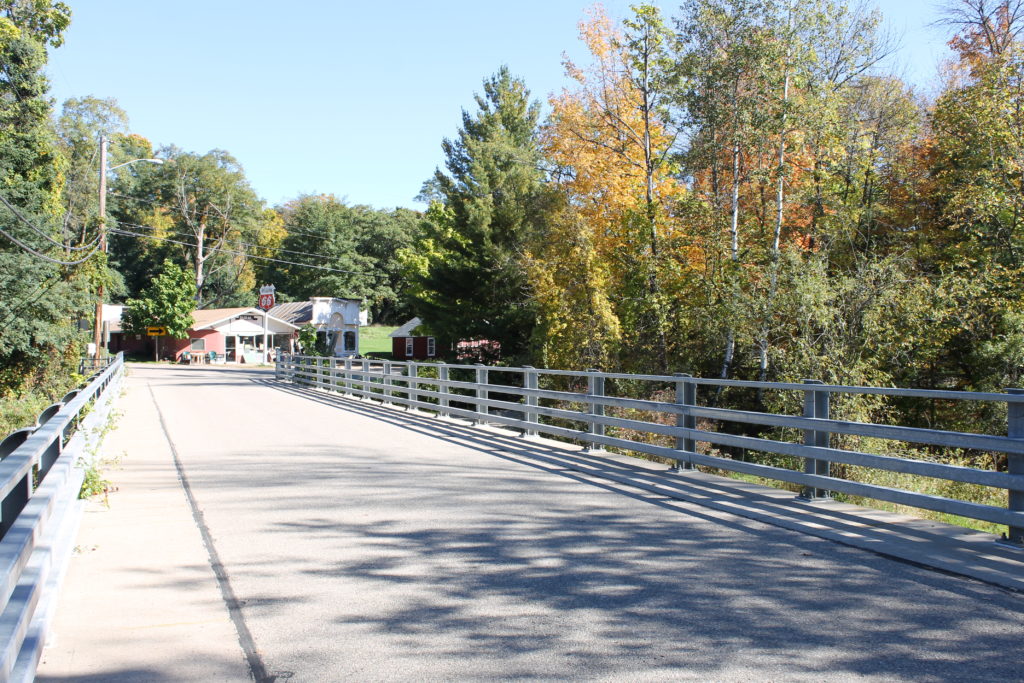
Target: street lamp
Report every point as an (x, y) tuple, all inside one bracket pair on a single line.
[(98, 328)]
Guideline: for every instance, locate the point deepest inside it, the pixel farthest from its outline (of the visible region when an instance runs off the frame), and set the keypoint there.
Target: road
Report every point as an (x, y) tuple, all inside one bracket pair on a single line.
[(347, 541)]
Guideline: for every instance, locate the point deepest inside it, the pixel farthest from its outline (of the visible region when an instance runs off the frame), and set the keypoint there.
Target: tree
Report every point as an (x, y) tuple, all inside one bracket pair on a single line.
[(80, 125), (609, 140), (572, 286), (467, 276), (43, 292), (168, 302), (200, 211), (970, 196), (340, 250), (727, 59)]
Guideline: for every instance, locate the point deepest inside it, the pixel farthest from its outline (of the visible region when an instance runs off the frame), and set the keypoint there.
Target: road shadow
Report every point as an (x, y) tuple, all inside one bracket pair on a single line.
[(938, 546), (454, 563)]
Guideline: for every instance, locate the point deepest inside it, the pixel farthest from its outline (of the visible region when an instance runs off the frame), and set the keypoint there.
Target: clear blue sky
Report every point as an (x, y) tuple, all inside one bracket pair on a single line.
[(345, 97)]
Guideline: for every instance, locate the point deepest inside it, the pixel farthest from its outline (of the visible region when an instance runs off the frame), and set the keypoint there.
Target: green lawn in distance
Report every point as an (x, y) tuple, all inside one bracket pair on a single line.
[(374, 339)]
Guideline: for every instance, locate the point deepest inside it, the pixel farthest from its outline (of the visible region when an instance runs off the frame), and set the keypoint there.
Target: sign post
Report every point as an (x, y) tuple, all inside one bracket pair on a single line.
[(267, 300)]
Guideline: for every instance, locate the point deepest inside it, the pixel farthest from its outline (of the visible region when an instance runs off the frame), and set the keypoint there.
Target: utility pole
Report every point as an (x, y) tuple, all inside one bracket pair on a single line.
[(98, 328)]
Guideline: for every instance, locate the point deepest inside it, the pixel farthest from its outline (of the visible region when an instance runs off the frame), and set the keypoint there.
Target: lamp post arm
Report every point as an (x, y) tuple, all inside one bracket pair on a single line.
[(152, 161)]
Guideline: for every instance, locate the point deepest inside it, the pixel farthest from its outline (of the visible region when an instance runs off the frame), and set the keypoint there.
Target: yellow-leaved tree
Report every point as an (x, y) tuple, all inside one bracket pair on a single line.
[(609, 139)]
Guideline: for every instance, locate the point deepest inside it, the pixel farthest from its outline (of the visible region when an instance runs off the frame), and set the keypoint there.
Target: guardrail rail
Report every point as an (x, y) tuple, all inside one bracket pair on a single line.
[(471, 392), (40, 512)]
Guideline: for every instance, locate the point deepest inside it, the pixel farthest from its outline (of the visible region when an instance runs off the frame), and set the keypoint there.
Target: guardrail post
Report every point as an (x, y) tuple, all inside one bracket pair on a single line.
[(319, 372), (413, 372), (346, 377), (1015, 462), (332, 375), (595, 387), (816, 404), (17, 499), (442, 388), (52, 451), (387, 382), (366, 379), (481, 393), (531, 380), (686, 395)]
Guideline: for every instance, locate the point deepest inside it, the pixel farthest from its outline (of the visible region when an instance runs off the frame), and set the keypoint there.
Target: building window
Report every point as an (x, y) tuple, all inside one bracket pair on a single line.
[(408, 347), (197, 344), (350, 340), (431, 347)]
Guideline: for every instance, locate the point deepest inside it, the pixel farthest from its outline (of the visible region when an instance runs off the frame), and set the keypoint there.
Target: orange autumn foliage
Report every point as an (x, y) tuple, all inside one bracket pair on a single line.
[(595, 138)]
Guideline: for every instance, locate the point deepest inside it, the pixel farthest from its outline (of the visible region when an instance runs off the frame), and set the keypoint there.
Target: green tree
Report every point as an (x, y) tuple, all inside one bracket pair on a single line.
[(42, 296), (80, 125), (168, 302), (353, 251), (468, 278), (200, 211), (973, 232)]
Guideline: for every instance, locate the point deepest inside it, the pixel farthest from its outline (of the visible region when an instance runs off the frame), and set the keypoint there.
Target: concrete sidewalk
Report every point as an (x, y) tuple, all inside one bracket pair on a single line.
[(141, 601)]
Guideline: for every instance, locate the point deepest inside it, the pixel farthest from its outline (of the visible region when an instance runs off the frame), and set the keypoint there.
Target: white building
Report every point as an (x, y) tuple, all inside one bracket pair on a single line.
[(336, 320)]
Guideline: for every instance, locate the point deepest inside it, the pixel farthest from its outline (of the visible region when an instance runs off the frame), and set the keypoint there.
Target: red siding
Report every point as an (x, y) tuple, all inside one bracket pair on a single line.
[(214, 342), (419, 348)]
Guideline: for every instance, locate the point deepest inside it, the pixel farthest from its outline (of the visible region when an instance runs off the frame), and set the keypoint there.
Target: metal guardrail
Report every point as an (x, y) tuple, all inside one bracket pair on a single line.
[(88, 366), (40, 478), (518, 405)]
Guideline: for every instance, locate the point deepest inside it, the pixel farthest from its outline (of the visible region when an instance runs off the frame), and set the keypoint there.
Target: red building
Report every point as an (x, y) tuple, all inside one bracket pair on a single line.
[(233, 335), (409, 343)]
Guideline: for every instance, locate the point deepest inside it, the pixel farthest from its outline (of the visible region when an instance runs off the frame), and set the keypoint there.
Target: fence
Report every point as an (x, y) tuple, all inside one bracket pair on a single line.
[(88, 365), (518, 401), (41, 476)]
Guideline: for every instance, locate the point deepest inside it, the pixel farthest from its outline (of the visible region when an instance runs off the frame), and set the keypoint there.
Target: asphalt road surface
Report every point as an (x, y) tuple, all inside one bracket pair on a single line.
[(355, 542)]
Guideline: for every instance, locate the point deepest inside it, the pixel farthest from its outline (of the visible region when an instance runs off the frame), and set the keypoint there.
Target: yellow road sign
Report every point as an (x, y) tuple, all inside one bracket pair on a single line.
[(156, 331)]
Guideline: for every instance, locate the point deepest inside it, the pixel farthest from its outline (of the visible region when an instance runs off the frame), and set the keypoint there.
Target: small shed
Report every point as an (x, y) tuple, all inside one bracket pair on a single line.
[(409, 342)]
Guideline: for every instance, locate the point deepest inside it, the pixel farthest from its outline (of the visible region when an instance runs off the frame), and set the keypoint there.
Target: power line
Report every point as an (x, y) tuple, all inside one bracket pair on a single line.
[(291, 231), (244, 244), (44, 256), (29, 223), (120, 231)]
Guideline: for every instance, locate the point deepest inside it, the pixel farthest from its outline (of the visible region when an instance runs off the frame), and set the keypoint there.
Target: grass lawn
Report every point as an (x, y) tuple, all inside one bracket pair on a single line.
[(374, 339)]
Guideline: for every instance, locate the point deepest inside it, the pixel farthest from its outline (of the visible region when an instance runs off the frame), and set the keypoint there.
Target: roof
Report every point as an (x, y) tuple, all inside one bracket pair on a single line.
[(293, 312), (207, 318), (407, 329)]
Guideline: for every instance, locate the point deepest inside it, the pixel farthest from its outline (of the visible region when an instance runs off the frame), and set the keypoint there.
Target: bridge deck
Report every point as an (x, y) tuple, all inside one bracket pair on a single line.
[(351, 541)]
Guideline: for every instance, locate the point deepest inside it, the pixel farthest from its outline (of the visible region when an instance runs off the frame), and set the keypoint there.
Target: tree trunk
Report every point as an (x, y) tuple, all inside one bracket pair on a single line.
[(776, 238), (730, 344)]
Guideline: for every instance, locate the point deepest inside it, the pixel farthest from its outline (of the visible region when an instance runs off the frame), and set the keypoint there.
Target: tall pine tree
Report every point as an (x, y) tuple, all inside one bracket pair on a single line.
[(468, 278)]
